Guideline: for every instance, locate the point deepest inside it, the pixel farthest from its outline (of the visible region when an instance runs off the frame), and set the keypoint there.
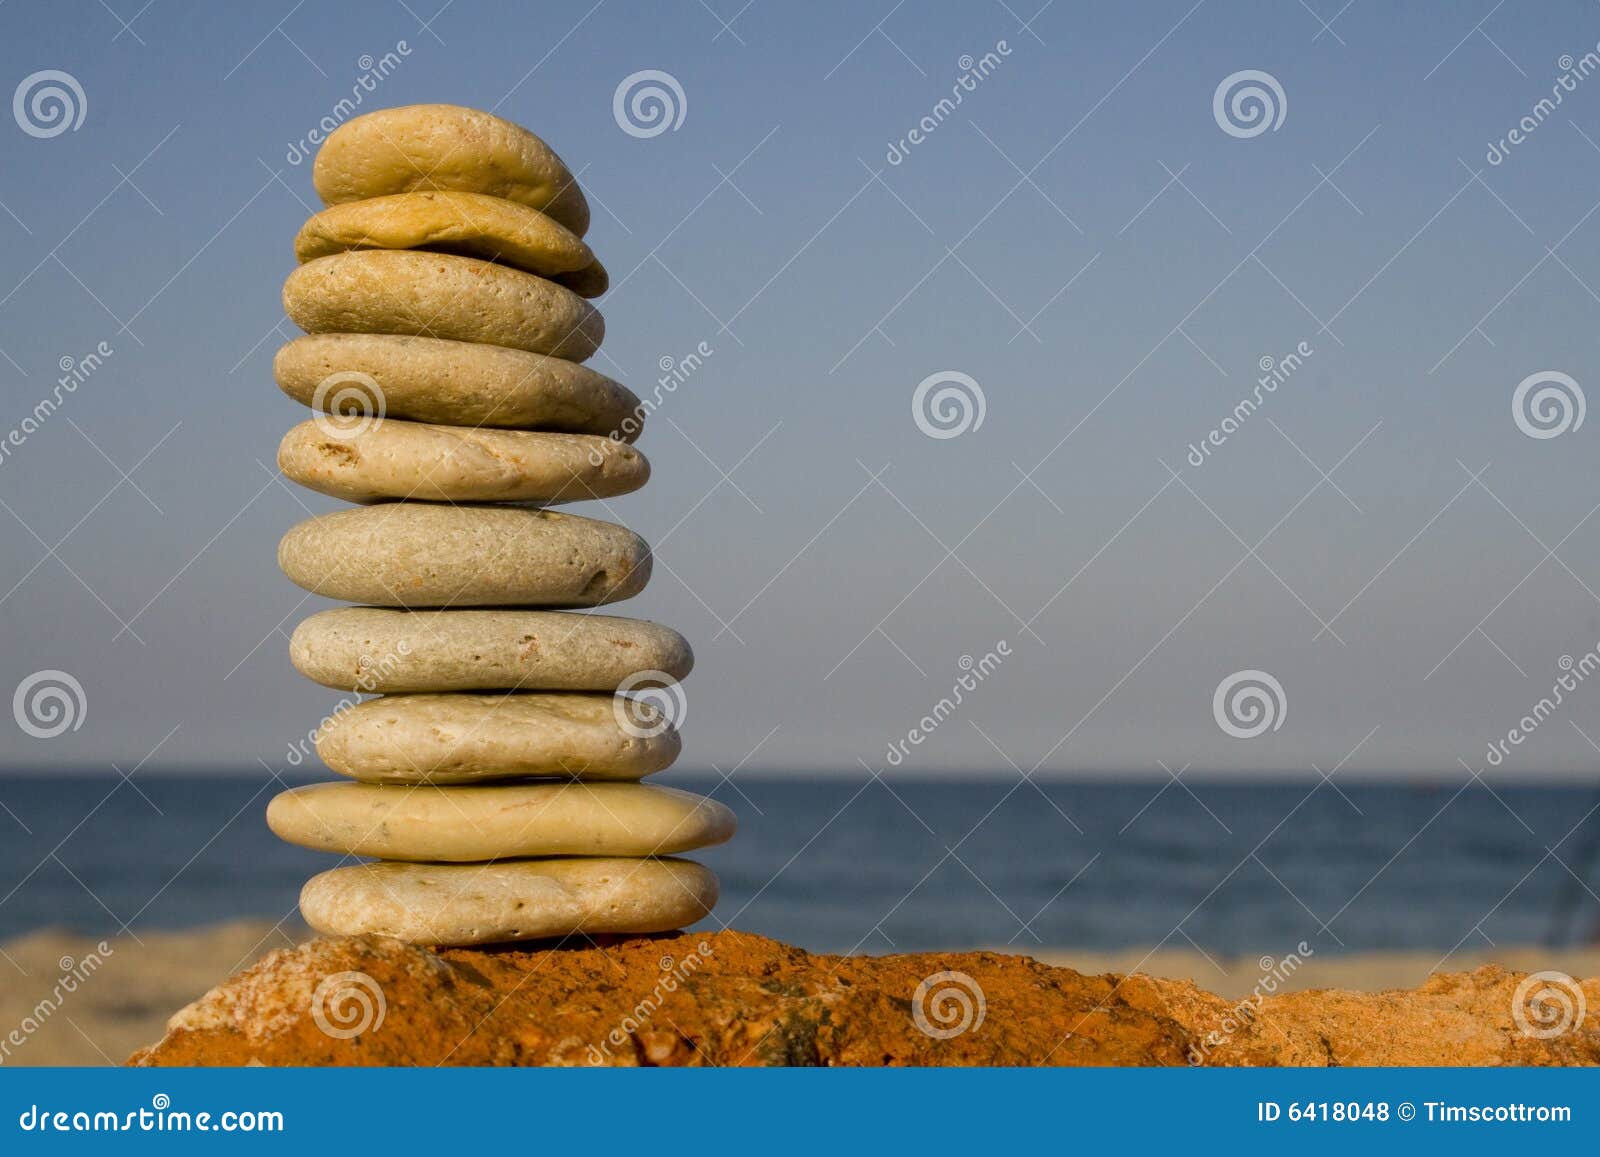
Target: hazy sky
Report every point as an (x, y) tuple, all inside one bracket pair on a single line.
[(1081, 236)]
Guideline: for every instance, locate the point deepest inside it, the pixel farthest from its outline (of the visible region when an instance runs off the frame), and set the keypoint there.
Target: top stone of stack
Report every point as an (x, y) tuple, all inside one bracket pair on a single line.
[(447, 147)]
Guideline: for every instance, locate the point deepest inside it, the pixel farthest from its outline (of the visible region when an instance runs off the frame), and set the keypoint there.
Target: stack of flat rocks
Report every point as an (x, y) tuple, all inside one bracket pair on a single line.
[(497, 772)]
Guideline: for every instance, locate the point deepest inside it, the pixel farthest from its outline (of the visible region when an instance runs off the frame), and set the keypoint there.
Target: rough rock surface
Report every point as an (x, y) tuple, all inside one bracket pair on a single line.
[(734, 999)]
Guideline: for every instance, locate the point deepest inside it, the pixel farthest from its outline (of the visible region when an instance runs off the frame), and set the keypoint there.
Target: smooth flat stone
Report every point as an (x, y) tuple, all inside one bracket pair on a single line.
[(463, 738), (458, 904), (406, 291), (444, 146), (458, 383), (466, 224), (376, 649), (590, 281), (507, 821), (417, 554), (368, 461)]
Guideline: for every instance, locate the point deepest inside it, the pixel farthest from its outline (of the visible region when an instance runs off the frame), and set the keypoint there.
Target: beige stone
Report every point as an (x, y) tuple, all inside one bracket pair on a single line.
[(376, 649), (457, 383), (590, 281), (466, 224), (443, 146), (406, 291), (417, 554), (498, 822), (368, 461), (463, 738), (459, 904)]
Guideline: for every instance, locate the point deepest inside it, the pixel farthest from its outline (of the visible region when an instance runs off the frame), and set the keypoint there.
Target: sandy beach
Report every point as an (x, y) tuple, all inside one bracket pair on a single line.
[(121, 996), (1237, 976), (126, 999)]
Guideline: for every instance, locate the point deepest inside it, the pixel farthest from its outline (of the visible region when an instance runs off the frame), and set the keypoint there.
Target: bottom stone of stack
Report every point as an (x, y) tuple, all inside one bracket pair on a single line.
[(462, 904)]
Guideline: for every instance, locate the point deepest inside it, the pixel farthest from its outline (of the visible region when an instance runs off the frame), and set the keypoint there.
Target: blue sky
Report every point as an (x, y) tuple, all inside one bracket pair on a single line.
[(1081, 237)]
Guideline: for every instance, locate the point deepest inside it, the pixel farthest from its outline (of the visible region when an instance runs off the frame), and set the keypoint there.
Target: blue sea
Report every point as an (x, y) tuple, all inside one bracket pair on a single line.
[(878, 865)]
